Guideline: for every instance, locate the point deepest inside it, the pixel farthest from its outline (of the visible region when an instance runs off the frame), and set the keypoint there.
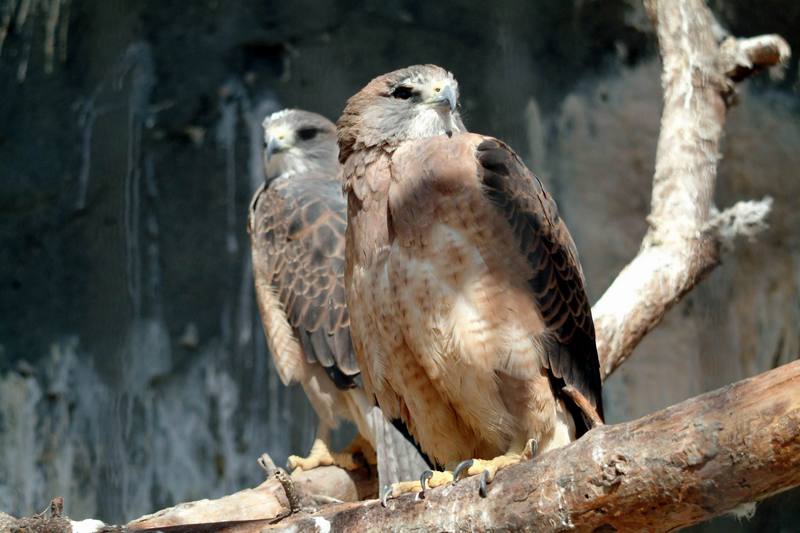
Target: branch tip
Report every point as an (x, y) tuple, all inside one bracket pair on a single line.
[(267, 464), (742, 57)]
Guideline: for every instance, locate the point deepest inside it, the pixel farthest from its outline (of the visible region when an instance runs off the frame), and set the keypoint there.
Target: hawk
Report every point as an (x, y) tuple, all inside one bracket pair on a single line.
[(296, 225), (468, 313)]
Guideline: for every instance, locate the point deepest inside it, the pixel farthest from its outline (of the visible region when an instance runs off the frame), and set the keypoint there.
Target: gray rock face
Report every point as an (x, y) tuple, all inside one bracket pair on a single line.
[(133, 370)]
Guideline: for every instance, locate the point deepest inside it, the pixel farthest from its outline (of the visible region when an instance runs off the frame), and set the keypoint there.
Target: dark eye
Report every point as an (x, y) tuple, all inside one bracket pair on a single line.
[(402, 92), (306, 134)]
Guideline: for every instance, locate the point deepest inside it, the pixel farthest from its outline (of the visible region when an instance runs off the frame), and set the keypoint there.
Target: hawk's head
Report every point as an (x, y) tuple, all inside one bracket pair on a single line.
[(298, 141), (410, 103)]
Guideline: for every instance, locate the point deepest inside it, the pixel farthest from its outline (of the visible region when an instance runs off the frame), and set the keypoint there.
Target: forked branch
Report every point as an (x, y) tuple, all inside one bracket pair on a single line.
[(687, 234)]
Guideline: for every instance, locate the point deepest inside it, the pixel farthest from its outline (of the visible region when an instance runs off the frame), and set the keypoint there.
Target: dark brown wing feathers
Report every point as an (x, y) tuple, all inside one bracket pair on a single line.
[(557, 280), (297, 227)]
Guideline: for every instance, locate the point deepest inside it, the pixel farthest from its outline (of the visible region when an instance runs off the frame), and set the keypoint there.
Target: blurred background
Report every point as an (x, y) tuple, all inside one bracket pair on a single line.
[(133, 367)]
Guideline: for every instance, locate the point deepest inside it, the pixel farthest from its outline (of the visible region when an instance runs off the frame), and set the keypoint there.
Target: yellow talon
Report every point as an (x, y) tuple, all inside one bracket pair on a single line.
[(320, 455), (487, 469), (432, 479)]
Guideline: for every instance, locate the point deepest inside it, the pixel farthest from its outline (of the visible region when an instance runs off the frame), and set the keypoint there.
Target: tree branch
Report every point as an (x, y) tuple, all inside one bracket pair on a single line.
[(250, 509), (686, 234), (676, 467), (706, 456)]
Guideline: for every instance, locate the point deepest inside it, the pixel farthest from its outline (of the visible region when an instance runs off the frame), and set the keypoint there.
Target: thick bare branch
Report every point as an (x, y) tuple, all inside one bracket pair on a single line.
[(246, 511), (686, 233), (676, 467), (250, 509)]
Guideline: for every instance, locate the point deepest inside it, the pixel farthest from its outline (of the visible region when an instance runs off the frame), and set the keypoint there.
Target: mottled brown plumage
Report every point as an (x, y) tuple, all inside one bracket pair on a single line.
[(468, 311), (298, 229), (297, 226)]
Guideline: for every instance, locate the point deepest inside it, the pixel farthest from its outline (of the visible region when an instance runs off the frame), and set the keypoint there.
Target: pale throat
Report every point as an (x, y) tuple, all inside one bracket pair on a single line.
[(287, 163), (430, 122)]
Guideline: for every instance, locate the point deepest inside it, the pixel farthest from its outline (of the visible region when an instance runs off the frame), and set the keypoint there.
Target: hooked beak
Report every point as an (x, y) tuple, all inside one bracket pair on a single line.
[(276, 144), (444, 96)]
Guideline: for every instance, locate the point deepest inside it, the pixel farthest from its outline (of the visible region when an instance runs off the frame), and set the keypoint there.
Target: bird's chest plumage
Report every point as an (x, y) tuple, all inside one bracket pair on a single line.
[(445, 316)]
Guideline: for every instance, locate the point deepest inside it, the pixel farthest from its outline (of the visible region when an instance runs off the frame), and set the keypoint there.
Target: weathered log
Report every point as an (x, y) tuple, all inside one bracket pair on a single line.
[(676, 467), (251, 509)]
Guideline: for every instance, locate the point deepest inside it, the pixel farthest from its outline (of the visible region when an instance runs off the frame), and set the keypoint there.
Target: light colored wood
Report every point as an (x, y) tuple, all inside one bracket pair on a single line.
[(676, 467), (686, 233), (251, 509)]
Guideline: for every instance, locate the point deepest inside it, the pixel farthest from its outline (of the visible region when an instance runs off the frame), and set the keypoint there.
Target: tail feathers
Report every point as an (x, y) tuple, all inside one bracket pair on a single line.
[(399, 458)]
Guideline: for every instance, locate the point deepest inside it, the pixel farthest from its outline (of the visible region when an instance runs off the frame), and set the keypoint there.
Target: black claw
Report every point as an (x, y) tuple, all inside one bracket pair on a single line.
[(423, 481), (534, 448), (387, 490), (482, 490), (462, 467)]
